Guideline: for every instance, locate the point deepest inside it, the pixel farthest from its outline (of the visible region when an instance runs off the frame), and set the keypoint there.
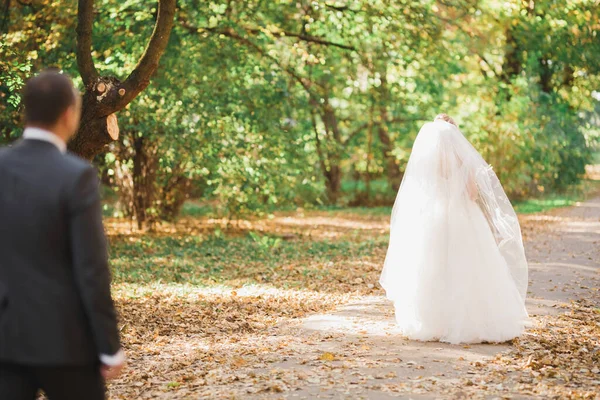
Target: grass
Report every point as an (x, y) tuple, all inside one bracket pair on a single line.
[(195, 209), (363, 211), (573, 195), (287, 253), (532, 206), (378, 186)]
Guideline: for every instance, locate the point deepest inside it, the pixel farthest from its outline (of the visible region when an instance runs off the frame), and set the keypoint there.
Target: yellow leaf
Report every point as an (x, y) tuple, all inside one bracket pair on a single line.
[(238, 362)]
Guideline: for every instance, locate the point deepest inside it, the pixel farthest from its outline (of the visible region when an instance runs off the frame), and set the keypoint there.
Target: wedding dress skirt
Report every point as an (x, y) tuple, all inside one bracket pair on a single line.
[(455, 268)]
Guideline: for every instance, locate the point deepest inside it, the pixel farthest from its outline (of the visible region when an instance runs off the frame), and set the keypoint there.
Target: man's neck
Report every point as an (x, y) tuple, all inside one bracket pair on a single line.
[(49, 129), (46, 135)]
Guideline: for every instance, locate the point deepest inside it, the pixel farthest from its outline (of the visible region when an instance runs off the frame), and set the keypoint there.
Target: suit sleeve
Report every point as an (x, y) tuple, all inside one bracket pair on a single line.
[(90, 261)]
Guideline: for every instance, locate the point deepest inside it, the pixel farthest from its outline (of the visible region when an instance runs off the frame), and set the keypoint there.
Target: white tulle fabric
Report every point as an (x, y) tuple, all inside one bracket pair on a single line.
[(455, 267)]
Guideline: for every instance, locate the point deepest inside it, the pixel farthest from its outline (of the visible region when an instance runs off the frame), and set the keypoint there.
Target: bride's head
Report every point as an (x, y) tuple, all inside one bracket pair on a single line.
[(447, 118)]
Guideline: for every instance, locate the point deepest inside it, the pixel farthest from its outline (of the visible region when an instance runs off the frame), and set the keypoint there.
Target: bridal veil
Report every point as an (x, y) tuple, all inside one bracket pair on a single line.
[(443, 174)]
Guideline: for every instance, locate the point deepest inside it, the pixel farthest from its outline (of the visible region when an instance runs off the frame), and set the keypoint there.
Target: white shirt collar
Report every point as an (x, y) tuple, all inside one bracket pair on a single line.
[(45, 136)]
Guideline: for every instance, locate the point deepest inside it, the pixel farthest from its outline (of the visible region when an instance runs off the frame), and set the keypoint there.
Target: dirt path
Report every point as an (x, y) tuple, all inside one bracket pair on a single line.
[(356, 351)]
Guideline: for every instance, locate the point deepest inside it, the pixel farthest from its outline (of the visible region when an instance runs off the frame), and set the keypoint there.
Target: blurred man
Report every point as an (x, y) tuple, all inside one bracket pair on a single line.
[(58, 325)]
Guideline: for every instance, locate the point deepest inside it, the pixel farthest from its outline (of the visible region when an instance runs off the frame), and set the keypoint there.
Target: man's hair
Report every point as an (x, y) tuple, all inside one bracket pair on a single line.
[(47, 96), (447, 118)]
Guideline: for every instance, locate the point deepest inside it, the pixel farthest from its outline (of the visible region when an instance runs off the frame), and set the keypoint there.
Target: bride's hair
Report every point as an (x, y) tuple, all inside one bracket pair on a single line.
[(447, 118)]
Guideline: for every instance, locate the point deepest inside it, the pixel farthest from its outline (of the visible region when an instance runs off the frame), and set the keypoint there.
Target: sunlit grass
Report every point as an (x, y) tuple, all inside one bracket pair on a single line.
[(216, 259), (362, 211), (539, 205), (195, 209), (572, 196)]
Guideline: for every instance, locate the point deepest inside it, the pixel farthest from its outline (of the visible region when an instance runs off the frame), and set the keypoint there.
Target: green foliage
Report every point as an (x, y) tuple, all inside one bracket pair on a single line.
[(569, 197), (531, 111), (14, 69), (534, 146), (259, 106), (265, 242)]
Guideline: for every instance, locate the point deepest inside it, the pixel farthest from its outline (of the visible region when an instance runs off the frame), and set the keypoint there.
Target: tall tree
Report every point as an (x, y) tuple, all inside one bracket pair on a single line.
[(105, 95)]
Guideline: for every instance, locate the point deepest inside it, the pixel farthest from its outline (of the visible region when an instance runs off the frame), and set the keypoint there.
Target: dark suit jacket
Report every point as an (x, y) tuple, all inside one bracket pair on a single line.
[(55, 302)]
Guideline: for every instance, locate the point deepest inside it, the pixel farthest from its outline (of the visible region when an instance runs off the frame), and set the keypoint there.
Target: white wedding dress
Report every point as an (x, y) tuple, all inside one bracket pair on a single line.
[(455, 267)]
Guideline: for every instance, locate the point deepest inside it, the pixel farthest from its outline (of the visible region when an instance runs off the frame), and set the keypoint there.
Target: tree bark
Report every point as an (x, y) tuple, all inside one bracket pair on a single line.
[(511, 66), (334, 183), (145, 165), (394, 175), (334, 175), (545, 76), (104, 96), (568, 76), (369, 151), (328, 161)]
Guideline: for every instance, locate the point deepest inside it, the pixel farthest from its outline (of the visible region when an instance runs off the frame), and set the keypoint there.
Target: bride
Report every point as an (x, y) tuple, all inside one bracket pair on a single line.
[(455, 267)]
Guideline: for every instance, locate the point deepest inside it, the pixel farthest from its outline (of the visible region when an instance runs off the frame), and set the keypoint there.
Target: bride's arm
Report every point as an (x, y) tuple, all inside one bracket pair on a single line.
[(472, 189)]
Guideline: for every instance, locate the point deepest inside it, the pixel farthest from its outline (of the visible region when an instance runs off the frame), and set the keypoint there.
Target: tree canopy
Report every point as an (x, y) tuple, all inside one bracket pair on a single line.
[(257, 104)]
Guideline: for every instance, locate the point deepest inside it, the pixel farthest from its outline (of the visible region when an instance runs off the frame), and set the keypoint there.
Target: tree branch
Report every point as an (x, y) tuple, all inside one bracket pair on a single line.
[(229, 32), (277, 33), (139, 78), (366, 125), (304, 37), (85, 22), (5, 16), (489, 65), (341, 8), (105, 95), (318, 144)]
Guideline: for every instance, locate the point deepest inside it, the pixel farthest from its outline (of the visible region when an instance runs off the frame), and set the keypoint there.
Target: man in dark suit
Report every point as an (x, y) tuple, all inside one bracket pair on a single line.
[(58, 325)]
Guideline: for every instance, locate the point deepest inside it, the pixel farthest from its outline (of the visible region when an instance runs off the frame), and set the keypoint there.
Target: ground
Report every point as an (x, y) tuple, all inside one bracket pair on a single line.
[(289, 307)]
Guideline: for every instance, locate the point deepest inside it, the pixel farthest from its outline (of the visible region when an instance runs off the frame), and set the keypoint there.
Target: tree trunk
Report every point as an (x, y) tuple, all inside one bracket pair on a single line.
[(369, 151), (96, 129), (334, 176), (568, 76), (545, 76), (145, 164), (394, 175), (333, 183), (511, 65), (173, 195), (104, 96), (328, 151)]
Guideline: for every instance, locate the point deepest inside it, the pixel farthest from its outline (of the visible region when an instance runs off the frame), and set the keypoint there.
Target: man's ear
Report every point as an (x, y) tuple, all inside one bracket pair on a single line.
[(72, 111), (71, 119), (65, 117)]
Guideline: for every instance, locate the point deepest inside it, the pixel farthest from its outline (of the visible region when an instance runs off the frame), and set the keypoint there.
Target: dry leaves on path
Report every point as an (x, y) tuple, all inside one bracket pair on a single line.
[(558, 359), (204, 316)]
